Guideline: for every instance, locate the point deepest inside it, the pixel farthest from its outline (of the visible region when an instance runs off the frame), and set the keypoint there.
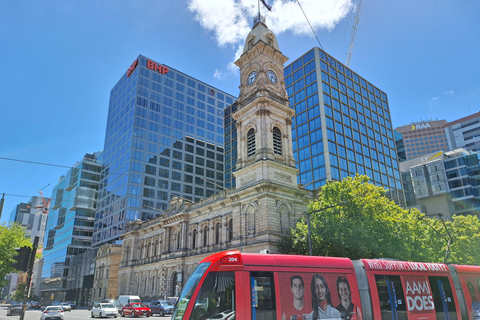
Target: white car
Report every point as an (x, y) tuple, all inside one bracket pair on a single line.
[(52, 313), (66, 306), (104, 310)]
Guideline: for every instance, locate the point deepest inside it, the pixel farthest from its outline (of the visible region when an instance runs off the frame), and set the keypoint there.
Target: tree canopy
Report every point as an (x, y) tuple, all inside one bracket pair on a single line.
[(353, 218), (11, 237)]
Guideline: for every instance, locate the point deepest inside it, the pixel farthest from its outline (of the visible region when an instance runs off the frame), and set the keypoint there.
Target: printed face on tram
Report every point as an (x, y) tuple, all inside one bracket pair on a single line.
[(343, 291), (320, 289), (298, 288)]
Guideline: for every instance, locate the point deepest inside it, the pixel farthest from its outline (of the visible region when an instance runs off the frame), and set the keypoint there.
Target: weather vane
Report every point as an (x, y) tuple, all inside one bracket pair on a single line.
[(259, 17)]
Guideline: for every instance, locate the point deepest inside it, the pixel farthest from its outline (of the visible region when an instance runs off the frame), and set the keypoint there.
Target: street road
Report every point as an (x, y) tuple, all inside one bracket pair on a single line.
[(75, 314)]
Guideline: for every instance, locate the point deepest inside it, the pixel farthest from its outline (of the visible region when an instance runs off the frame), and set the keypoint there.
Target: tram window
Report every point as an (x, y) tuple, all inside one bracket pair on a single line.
[(443, 298), (216, 299), (263, 296), (391, 297)]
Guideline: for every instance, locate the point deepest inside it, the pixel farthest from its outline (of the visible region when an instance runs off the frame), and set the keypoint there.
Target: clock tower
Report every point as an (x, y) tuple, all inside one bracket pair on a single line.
[(263, 116)]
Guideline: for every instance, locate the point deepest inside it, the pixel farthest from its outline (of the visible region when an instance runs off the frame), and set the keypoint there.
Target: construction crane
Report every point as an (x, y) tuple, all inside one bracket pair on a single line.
[(46, 205), (354, 32)]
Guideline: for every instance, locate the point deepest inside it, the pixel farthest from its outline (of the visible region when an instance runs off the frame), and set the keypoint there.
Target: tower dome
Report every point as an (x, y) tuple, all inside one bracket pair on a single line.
[(260, 32)]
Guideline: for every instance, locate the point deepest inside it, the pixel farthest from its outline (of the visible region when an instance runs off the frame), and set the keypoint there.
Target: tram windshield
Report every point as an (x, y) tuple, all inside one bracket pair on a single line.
[(188, 290)]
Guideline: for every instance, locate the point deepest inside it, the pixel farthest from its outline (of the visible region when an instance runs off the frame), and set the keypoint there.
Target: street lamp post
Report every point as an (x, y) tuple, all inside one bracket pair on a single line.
[(239, 236), (310, 250), (448, 240)]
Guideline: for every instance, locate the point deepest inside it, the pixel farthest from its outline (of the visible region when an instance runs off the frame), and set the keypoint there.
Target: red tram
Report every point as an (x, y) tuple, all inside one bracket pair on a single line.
[(233, 285)]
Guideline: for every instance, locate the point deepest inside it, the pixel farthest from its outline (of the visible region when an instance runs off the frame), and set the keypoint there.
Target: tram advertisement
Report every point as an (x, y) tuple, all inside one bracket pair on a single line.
[(418, 295)]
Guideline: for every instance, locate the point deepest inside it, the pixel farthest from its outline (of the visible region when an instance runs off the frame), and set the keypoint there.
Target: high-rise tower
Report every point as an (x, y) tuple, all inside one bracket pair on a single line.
[(164, 139)]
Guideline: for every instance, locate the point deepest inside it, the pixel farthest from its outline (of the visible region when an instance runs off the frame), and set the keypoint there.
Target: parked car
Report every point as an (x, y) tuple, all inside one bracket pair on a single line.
[(72, 304), (91, 304), (115, 303), (66, 306), (135, 310), (104, 310), (161, 307), (14, 309), (52, 313)]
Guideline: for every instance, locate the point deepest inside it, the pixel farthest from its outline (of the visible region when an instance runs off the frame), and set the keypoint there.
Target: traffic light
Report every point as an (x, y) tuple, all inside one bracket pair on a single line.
[(22, 258)]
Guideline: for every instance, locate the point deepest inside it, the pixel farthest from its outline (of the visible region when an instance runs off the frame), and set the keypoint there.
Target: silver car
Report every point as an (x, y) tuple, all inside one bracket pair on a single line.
[(66, 306), (103, 310), (52, 313)]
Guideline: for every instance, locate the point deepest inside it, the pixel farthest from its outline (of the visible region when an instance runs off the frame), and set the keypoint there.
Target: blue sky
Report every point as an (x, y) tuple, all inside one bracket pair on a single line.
[(61, 58)]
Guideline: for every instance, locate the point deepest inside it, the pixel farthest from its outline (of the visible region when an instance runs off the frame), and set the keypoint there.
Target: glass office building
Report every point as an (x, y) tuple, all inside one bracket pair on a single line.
[(341, 127), (32, 216), (70, 221), (164, 139), (445, 183)]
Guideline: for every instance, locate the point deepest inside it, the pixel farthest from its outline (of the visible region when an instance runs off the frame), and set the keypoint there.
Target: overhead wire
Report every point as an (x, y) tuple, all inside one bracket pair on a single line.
[(34, 162), (298, 1), (69, 167)]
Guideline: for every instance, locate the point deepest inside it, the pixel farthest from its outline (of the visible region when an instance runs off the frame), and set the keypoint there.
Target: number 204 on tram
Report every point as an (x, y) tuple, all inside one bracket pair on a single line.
[(248, 286)]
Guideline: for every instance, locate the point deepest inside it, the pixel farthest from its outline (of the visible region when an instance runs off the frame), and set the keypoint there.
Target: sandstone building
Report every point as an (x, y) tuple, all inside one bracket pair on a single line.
[(159, 255)]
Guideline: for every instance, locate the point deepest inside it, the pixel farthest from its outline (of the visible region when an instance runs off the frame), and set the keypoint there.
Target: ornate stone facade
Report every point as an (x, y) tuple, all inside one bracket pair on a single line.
[(159, 255), (107, 263)]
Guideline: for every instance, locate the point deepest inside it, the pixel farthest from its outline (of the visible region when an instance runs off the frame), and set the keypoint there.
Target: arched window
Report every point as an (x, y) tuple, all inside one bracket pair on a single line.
[(251, 148), (194, 239), (178, 241), (205, 236), (217, 233), (277, 141)]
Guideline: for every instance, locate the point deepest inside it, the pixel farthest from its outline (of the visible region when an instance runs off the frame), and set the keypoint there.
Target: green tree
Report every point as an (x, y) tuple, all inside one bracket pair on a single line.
[(464, 235), (18, 294), (11, 237), (354, 218)]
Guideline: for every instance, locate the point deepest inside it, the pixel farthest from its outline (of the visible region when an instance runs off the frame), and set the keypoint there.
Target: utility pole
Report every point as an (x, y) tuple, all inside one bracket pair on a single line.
[(31, 261), (2, 201)]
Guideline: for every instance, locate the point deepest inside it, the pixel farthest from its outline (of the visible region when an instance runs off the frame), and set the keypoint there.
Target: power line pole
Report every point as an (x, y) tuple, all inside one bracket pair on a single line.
[(2, 201), (31, 261)]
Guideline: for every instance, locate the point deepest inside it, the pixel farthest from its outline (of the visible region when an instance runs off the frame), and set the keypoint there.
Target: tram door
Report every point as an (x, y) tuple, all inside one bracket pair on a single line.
[(391, 297), (443, 298)]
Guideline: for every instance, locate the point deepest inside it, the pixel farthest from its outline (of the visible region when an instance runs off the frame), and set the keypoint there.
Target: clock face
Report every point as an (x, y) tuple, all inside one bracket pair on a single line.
[(272, 77), (252, 77)]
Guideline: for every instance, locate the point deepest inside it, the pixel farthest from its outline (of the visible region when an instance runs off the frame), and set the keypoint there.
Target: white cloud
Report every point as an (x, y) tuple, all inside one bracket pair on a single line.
[(218, 74), (433, 102), (230, 20), (449, 92)]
